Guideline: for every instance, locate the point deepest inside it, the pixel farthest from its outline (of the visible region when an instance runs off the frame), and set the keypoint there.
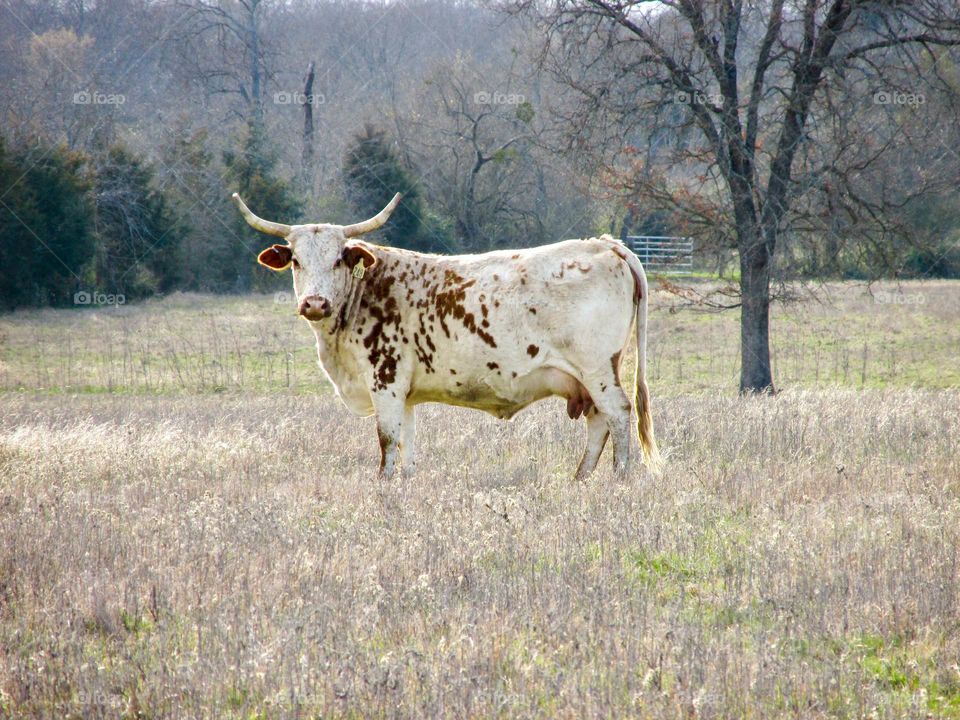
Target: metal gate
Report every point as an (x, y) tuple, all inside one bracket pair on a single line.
[(663, 253)]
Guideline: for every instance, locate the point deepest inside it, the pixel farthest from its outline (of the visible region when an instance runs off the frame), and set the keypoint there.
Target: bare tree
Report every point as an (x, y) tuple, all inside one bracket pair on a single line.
[(739, 84), (222, 44), (473, 133)]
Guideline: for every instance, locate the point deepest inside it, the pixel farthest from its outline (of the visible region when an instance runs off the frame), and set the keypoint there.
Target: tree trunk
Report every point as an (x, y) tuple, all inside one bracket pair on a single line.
[(755, 371), (306, 166), (255, 62), (755, 244)]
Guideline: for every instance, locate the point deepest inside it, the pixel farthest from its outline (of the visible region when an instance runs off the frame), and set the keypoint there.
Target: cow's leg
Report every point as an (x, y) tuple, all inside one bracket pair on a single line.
[(408, 440), (597, 434), (618, 420), (390, 412), (612, 402)]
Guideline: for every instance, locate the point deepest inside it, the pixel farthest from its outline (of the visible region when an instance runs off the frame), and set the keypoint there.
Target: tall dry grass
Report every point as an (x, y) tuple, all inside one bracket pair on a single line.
[(232, 556)]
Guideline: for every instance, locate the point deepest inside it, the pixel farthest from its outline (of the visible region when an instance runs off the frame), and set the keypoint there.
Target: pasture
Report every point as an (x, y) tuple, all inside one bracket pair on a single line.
[(190, 527)]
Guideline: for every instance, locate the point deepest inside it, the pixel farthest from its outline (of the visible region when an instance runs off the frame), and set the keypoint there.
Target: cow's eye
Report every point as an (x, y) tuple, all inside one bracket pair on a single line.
[(296, 263), (338, 262)]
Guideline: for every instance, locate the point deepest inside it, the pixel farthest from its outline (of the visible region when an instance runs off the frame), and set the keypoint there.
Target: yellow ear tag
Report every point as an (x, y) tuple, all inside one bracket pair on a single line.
[(359, 270)]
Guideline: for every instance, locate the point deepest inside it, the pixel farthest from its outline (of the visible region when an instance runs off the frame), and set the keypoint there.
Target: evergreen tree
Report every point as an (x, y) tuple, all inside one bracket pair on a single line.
[(933, 228), (372, 174), (138, 237), (46, 224)]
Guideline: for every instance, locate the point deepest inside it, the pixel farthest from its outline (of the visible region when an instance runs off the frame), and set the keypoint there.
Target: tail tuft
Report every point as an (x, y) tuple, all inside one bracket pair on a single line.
[(648, 443)]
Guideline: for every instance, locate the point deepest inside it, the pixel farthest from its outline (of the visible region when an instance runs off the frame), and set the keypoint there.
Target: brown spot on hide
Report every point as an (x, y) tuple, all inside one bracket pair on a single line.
[(387, 371), (385, 442), (532, 350), (383, 309), (451, 302), (425, 358), (380, 287), (492, 365)]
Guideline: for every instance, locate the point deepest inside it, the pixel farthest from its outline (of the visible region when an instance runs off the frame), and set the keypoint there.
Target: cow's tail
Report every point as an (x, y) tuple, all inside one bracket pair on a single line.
[(648, 443), (651, 454)]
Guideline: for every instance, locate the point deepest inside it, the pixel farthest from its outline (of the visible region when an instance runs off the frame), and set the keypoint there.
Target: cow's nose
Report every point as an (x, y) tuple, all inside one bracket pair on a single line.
[(314, 307)]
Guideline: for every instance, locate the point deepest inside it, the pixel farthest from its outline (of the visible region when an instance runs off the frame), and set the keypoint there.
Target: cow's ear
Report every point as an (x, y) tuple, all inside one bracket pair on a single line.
[(355, 252), (277, 257)]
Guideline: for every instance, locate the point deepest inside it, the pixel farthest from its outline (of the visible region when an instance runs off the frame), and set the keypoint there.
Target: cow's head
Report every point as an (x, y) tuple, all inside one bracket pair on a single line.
[(324, 257)]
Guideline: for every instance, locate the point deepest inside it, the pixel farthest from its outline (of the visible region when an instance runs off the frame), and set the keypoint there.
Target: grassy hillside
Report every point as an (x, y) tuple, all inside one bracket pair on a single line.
[(846, 335)]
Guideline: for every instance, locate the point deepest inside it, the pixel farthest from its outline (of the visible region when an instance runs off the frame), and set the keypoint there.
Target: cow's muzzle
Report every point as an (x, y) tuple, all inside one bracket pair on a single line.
[(314, 307)]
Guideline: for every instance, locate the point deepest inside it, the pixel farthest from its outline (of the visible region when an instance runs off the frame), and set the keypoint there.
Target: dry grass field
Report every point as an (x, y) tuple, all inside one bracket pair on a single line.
[(190, 528)]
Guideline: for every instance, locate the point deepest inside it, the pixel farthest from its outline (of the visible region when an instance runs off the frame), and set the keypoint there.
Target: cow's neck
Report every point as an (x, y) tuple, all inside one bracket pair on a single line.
[(337, 356), (342, 368)]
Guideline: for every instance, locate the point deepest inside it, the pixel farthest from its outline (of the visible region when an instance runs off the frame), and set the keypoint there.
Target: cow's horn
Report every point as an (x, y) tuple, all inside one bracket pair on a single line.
[(373, 223), (265, 226)]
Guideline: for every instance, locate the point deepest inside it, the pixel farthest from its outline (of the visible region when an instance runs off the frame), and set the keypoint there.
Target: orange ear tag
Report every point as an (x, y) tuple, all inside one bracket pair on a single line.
[(359, 270)]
